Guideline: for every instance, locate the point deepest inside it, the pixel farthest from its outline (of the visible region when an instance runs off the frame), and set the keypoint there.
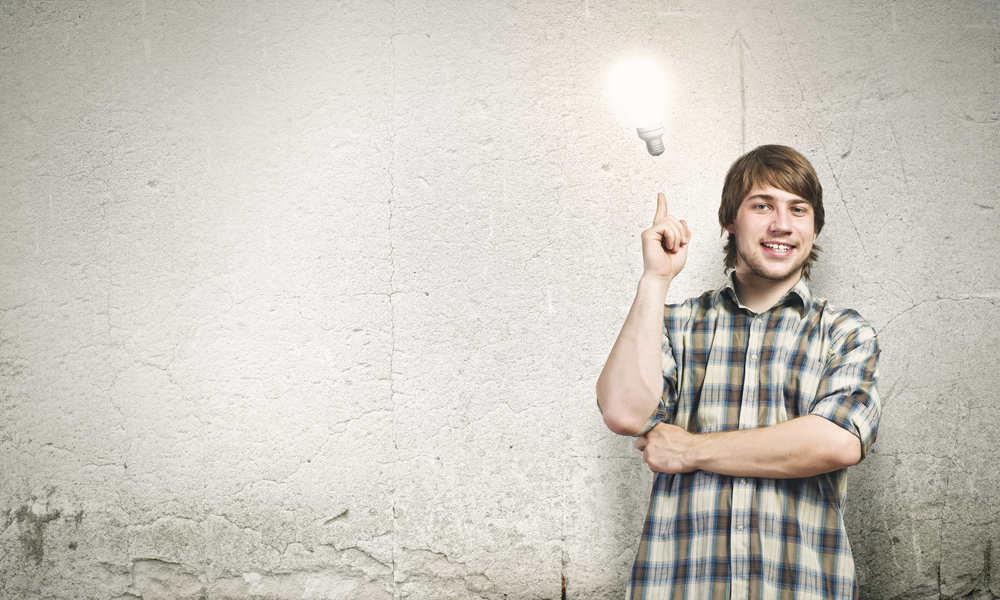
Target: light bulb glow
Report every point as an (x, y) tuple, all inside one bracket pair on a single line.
[(639, 89)]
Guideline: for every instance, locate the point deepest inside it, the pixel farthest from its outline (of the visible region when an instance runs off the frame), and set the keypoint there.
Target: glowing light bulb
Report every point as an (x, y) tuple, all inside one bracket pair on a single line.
[(638, 88)]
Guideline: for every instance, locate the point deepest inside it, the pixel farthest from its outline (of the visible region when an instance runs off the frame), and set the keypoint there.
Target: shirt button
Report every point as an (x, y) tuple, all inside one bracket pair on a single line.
[(753, 357), (743, 481), (740, 528)]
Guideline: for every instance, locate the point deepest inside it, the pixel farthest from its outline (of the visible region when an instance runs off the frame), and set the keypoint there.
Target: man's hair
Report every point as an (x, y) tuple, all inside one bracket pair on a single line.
[(777, 166)]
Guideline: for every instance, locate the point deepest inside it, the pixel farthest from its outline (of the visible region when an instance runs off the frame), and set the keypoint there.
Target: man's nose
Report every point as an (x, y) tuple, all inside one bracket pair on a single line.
[(781, 222)]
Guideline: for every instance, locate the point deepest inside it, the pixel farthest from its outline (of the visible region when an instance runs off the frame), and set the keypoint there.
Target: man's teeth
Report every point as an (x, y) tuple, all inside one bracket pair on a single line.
[(778, 247)]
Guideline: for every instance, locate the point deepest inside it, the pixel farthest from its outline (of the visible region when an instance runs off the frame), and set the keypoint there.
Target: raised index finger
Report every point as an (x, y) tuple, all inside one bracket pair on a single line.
[(661, 207)]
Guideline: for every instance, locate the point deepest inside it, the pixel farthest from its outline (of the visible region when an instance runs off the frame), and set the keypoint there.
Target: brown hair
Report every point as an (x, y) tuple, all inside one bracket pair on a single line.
[(777, 166)]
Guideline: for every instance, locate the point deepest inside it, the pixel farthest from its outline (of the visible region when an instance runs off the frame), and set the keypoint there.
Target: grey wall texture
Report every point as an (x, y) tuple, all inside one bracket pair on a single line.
[(307, 299)]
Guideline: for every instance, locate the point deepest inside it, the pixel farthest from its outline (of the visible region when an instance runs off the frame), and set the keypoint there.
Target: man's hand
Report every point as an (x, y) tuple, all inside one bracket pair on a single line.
[(664, 245), (664, 447)]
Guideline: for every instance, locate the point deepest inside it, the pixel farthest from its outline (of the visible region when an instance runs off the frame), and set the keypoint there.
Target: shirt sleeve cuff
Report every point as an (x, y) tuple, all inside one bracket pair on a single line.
[(654, 419), (859, 419)]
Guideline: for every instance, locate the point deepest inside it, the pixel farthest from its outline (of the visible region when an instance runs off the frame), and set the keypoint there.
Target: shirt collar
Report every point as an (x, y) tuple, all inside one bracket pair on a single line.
[(799, 297)]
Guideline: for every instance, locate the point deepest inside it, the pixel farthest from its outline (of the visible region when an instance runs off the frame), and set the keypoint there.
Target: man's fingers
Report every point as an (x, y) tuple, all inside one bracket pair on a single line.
[(661, 207), (640, 442), (680, 234), (672, 234)]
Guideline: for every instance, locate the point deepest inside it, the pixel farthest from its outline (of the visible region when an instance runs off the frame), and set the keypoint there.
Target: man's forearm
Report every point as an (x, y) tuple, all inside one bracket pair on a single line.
[(801, 447), (631, 383)]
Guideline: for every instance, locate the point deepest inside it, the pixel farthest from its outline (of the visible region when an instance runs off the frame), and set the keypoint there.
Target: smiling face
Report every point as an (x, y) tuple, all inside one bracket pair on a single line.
[(770, 166), (774, 232)]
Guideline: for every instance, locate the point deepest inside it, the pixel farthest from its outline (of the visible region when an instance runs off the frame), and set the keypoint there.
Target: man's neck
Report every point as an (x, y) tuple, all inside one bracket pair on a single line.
[(758, 293)]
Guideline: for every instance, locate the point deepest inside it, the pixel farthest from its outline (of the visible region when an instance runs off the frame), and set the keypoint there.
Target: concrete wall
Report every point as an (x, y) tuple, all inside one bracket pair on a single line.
[(307, 299)]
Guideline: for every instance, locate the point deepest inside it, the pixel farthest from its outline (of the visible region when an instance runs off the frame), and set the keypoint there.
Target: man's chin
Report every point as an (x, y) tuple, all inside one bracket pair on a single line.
[(776, 275)]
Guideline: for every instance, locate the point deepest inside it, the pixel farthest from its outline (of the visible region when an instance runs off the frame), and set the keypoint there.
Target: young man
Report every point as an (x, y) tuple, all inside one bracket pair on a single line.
[(749, 402)]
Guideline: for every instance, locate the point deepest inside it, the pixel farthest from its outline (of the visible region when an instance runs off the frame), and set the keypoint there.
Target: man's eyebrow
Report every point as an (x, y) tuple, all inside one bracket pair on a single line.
[(765, 196)]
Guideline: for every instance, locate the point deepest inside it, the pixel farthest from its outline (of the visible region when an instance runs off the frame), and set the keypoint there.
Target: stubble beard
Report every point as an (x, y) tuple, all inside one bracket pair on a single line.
[(755, 268)]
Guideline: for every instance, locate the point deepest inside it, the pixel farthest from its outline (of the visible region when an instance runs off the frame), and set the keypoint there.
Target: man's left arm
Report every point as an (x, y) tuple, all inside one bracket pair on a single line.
[(801, 447), (836, 432)]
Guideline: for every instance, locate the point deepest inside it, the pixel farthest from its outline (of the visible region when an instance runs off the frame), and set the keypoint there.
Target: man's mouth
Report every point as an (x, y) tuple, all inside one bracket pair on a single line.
[(777, 247)]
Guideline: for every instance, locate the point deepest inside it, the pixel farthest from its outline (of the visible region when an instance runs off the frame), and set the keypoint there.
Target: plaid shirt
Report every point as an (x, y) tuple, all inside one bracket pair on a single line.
[(726, 367)]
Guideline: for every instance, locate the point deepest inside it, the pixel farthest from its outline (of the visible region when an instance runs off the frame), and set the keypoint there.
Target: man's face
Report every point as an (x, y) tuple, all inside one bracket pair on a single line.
[(774, 234)]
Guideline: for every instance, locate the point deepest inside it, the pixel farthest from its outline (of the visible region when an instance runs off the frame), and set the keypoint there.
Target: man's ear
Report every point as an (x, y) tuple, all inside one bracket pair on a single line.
[(731, 229)]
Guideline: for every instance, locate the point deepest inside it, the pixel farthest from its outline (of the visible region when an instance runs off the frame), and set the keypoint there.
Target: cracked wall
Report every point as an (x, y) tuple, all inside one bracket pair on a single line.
[(307, 300)]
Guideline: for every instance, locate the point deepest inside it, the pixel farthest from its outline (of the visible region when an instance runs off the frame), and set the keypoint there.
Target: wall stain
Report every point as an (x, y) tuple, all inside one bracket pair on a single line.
[(341, 515), (32, 534), (987, 565)]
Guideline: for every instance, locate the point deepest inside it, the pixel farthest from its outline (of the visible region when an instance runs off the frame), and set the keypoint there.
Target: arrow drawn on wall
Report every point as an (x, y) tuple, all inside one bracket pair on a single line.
[(740, 45)]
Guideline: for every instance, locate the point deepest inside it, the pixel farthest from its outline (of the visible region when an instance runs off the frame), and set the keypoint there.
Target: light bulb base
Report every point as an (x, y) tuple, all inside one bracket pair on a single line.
[(653, 136)]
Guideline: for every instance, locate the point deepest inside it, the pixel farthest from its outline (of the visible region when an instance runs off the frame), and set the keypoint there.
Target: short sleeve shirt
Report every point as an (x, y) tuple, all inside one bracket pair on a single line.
[(725, 368)]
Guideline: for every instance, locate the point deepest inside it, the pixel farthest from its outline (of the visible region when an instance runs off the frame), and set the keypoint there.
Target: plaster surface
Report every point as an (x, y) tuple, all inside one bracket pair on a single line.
[(308, 299)]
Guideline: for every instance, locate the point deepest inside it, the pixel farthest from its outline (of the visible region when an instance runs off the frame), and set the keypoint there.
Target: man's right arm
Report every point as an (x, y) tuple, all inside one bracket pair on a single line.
[(631, 384)]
